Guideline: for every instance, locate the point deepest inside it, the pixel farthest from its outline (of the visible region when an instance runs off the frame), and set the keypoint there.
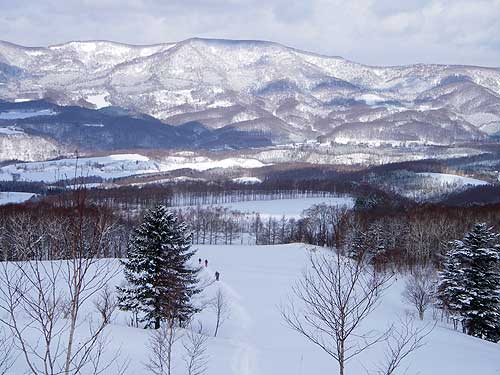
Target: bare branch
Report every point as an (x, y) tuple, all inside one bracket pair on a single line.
[(222, 310), (161, 345), (106, 304), (195, 346), (6, 353), (420, 288), (334, 296), (403, 340)]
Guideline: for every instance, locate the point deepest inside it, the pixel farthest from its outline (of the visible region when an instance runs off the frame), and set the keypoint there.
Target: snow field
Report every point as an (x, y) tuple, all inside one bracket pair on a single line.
[(14, 197), (99, 100), (115, 166), (10, 130), (449, 179), (256, 280), (290, 208), (14, 115), (261, 277)]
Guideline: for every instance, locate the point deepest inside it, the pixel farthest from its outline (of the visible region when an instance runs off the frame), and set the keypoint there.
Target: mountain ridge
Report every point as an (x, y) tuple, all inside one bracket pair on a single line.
[(260, 85), (85, 41)]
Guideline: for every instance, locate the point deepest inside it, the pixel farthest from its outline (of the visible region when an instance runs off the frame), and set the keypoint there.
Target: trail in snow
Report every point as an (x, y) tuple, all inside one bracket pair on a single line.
[(258, 279), (243, 359), (255, 340)]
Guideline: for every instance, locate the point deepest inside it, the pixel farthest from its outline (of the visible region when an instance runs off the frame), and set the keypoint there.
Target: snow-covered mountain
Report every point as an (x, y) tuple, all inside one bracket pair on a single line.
[(39, 130), (261, 86)]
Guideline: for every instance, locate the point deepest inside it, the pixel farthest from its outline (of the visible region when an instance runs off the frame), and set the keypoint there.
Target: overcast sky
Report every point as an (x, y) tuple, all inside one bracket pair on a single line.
[(378, 32)]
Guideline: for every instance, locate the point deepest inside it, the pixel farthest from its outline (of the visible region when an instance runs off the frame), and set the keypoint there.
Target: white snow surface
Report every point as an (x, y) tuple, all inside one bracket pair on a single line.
[(454, 179), (10, 130), (14, 197), (291, 208), (16, 145), (371, 99), (255, 341), (15, 115), (201, 163), (111, 166), (99, 100), (115, 166)]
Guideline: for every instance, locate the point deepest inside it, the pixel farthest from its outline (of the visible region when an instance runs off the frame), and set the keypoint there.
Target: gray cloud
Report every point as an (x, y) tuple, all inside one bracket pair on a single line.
[(378, 32)]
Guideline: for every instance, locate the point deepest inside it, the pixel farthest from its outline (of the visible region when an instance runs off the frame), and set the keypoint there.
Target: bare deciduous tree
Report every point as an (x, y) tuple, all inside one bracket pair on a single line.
[(402, 341), (35, 298), (106, 304), (161, 345), (195, 346), (222, 310), (335, 295), (6, 353), (46, 297), (419, 289)]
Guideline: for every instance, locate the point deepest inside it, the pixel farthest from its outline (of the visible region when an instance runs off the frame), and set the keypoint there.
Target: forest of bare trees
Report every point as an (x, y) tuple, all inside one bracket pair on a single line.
[(406, 235)]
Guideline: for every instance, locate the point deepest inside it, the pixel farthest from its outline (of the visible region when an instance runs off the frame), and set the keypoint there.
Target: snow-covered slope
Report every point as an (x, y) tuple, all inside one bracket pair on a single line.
[(259, 278), (14, 197), (16, 145), (453, 179), (261, 86), (113, 128), (114, 166), (255, 341)]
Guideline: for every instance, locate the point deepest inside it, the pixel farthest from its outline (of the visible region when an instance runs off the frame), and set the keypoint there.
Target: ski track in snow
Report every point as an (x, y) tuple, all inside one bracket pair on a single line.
[(244, 359)]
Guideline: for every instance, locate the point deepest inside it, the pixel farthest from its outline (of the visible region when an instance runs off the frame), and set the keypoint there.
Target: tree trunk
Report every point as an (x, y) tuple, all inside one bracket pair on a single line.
[(217, 325), (341, 358), (75, 305)]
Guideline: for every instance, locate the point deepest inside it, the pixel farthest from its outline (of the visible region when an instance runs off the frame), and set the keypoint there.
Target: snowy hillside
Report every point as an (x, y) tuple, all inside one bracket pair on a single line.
[(8, 197), (452, 179), (114, 166), (255, 341), (16, 145), (262, 86)]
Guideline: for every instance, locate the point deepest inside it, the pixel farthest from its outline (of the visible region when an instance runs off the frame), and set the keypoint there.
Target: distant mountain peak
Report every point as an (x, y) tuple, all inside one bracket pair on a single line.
[(261, 86)]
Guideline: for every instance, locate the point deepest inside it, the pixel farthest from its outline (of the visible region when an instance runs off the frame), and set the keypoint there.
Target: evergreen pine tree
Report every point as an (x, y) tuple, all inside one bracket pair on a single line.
[(368, 246), (480, 298), (375, 244), (470, 283), (160, 282), (450, 284), (357, 246)]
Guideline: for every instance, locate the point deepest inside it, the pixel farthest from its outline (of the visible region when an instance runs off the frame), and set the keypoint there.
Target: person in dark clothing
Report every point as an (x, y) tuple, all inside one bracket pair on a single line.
[(217, 275), (206, 263), (199, 261)]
